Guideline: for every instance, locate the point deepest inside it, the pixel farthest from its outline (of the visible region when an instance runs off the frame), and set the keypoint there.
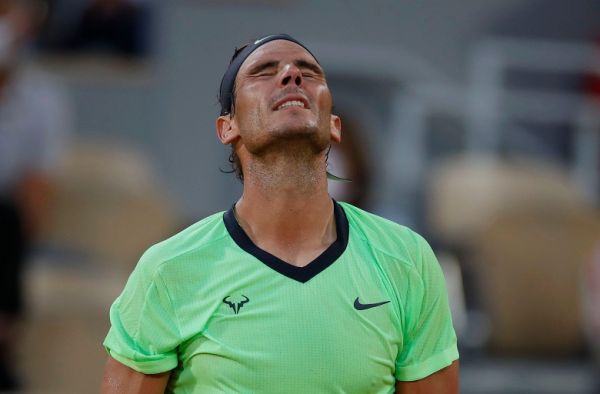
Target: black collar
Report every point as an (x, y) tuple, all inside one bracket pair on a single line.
[(301, 274)]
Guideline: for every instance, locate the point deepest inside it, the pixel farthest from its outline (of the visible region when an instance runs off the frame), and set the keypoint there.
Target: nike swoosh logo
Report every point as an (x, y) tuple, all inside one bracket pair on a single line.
[(360, 307)]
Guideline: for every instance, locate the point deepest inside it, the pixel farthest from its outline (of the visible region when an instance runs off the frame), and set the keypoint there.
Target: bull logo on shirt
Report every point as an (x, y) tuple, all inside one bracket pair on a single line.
[(236, 306)]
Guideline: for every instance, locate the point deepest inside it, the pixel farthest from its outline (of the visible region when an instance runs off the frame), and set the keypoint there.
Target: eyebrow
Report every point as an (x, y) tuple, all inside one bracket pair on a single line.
[(300, 63)]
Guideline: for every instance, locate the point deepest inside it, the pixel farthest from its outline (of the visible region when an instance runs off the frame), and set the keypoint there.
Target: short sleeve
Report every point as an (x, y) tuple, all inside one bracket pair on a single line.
[(144, 332), (429, 340)]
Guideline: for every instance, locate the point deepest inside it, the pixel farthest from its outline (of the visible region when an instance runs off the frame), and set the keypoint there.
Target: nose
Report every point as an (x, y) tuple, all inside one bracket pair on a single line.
[(291, 75)]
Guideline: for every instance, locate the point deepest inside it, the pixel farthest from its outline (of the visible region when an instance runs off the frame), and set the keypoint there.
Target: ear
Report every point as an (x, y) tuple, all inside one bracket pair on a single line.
[(226, 130), (335, 125)]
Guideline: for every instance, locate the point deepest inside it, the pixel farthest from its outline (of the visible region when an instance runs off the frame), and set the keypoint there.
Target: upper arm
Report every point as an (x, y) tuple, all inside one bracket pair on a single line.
[(428, 338), (144, 333), (120, 379), (444, 381)]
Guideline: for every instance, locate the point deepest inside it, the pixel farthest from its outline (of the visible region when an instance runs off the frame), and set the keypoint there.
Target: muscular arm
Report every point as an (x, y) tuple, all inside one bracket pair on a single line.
[(444, 381), (120, 379)]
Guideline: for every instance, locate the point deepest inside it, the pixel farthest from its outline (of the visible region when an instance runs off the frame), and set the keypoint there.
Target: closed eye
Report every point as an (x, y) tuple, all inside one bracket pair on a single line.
[(309, 74), (265, 74), (264, 69), (309, 68)]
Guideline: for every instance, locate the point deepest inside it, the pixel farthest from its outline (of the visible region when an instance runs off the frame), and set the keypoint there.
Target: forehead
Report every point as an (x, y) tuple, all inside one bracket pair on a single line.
[(277, 51)]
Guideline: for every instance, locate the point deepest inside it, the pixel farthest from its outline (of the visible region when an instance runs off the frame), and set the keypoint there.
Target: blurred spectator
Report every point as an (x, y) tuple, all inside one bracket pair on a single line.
[(114, 26), (592, 80), (33, 122)]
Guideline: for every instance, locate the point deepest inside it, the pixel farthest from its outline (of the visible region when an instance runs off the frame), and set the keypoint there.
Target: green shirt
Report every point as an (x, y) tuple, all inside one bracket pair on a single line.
[(227, 316)]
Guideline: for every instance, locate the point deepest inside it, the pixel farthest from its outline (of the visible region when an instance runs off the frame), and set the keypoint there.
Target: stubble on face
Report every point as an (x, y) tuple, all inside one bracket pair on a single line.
[(262, 134), (289, 145)]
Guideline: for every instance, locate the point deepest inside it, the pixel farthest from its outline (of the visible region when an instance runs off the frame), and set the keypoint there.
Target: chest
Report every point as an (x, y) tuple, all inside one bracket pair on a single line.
[(338, 332)]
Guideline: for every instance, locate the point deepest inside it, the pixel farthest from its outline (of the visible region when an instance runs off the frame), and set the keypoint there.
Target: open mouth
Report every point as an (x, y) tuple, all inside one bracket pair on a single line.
[(293, 103)]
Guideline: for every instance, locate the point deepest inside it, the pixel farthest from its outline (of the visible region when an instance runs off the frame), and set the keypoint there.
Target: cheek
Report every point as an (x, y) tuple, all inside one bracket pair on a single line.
[(253, 119), (325, 104), (250, 114), (324, 98), (246, 105)]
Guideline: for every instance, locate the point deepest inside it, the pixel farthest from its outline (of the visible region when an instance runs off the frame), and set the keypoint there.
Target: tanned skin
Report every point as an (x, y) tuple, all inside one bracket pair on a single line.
[(120, 379), (444, 381), (285, 207)]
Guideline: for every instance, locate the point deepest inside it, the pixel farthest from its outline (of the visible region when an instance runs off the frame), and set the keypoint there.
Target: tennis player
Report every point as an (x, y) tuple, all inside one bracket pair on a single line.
[(288, 291)]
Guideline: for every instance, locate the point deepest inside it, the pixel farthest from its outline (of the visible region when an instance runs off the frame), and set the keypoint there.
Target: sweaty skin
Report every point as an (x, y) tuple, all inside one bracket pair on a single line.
[(120, 379), (444, 381), (285, 207)]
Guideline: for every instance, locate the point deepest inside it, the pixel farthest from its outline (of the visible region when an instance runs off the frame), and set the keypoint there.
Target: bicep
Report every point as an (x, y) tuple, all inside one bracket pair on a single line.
[(120, 379), (444, 381)]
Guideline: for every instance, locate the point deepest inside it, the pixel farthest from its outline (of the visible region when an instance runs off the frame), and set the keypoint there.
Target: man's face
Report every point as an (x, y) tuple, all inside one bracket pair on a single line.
[(281, 95)]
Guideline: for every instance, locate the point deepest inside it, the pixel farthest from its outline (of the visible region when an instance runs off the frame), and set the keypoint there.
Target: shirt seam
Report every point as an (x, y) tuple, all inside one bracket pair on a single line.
[(195, 249), (409, 264), (157, 273), (173, 309)]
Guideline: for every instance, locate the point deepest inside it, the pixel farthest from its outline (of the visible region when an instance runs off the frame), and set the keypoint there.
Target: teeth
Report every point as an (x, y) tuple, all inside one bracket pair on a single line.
[(294, 103)]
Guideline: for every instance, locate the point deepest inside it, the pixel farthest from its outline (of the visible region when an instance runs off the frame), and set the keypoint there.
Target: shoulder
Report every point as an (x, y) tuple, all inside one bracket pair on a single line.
[(386, 236), (197, 238), (382, 233)]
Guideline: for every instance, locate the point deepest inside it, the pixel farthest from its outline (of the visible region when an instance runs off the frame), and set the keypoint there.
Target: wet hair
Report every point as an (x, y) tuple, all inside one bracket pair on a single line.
[(229, 109)]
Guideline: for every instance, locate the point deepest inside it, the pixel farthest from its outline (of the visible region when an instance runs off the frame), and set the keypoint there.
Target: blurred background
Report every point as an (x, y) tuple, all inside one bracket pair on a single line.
[(476, 123)]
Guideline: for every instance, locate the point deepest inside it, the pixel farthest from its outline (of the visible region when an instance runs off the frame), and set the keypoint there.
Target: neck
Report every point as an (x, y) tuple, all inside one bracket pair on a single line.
[(286, 175), (286, 209)]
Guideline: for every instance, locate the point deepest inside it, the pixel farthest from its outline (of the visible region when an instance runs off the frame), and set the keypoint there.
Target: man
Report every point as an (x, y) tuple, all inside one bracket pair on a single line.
[(288, 291)]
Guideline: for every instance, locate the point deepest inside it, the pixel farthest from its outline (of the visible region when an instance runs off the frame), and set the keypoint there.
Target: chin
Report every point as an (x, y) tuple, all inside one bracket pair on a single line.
[(297, 137)]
